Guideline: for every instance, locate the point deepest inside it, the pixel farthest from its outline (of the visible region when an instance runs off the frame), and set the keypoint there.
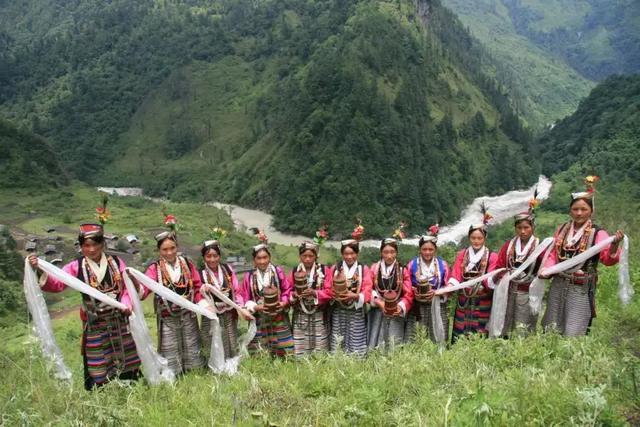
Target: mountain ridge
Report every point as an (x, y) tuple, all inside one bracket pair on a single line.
[(263, 104)]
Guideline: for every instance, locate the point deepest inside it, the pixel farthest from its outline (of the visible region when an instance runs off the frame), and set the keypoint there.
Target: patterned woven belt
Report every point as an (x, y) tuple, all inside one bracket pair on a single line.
[(577, 278)]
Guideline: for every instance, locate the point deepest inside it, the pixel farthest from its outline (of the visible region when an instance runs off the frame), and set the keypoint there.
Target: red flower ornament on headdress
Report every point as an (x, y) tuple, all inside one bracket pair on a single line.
[(358, 231), (170, 221)]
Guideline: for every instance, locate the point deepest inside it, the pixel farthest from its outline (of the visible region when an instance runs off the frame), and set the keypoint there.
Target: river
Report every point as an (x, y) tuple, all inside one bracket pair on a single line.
[(502, 207)]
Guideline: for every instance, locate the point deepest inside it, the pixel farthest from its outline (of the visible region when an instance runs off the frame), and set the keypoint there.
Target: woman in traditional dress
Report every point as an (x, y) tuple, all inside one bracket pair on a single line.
[(474, 304), (309, 298), (178, 330), (220, 276), (265, 292), (571, 303), (391, 298), (108, 349), (512, 254), (351, 291), (428, 273)]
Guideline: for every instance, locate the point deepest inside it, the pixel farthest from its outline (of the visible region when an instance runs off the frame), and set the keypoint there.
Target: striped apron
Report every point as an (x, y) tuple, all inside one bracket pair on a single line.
[(178, 330), (273, 331), (474, 305), (571, 301), (310, 326)]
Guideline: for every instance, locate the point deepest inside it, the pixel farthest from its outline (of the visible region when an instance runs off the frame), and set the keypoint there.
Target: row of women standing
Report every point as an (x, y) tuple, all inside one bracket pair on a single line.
[(347, 305)]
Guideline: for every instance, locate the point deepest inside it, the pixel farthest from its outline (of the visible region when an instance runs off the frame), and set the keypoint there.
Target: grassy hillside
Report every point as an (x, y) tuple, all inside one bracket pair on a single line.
[(548, 87), (543, 379), (29, 211), (12, 304)]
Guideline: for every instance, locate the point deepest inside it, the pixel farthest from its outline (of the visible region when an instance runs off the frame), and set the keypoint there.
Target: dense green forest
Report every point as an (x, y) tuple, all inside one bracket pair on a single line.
[(317, 111), (601, 138), (27, 160)]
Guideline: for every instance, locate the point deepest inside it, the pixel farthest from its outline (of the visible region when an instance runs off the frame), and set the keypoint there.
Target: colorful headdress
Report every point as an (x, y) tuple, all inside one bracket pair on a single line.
[(308, 246), (349, 242), (356, 236), (358, 231), (218, 233), (529, 215), (398, 235), (486, 217), (321, 235), (208, 244), (171, 223), (430, 236), (590, 183), (88, 231), (102, 212), (92, 230)]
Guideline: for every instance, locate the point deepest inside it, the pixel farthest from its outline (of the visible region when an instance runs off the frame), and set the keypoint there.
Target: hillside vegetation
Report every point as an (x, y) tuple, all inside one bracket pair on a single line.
[(317, 111), (551, 51)]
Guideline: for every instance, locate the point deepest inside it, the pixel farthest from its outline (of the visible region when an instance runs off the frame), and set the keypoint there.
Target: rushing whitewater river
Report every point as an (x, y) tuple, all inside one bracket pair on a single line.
[(501, 207)]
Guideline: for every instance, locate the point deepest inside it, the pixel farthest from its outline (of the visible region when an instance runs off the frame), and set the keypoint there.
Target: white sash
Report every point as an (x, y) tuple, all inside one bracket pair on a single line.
[(169, 295), (42, 322), (155, 367), (501, 292)]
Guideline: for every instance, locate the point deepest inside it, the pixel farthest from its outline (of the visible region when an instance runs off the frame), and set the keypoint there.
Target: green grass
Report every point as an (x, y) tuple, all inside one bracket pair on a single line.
[(31, 210), (63, 301), (540, 380)]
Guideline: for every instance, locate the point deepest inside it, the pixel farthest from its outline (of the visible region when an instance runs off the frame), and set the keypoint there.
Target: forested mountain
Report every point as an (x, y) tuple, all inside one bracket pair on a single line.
[(608, 117), (596, 37), (601, 138), (27, 160), (318, 111), (555, 48)]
